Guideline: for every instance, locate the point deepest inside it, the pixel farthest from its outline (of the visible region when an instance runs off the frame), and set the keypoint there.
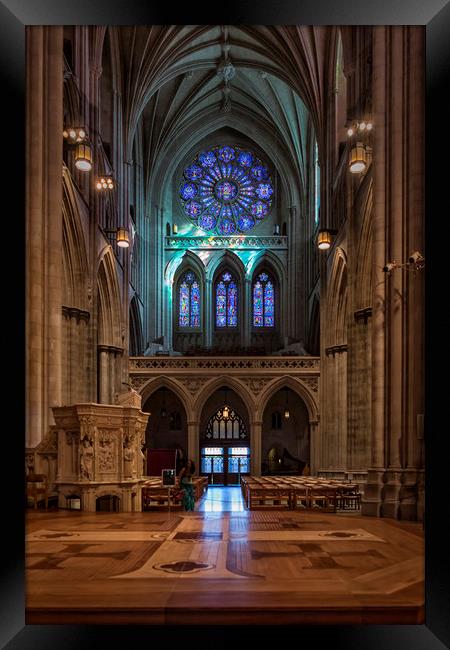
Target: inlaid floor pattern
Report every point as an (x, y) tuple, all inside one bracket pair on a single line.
[(219, 566)]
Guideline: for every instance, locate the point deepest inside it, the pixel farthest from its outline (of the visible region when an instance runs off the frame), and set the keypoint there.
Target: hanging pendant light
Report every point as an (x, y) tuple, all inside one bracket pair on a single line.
[(286, 408), (226, 410), (358, 158), (83, 157), (163, 409)]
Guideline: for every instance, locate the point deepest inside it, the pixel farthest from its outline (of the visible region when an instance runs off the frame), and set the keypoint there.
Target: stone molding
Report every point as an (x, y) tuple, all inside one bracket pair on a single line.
[(74, 312), (243, 242), (225, 363), (333, 349), (363, 314)]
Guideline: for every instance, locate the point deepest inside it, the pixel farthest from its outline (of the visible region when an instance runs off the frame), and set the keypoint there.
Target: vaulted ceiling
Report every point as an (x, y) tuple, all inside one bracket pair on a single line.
[(174, 86)]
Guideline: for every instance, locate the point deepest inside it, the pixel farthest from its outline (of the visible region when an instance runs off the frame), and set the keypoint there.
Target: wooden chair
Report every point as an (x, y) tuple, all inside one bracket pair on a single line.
[(37, 489)]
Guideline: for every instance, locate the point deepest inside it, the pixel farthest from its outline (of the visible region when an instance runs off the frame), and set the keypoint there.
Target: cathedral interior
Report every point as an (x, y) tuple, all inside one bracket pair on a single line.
[(225, 257)]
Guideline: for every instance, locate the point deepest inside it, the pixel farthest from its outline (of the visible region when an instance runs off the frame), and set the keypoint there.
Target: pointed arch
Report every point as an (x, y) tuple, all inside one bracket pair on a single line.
[(136, 334), (314, 327), (109, 301), (223, 259), (154, 384), (337, 300), (266, 258), (298, 387), (364, 257), (74, 254), (214, 384)]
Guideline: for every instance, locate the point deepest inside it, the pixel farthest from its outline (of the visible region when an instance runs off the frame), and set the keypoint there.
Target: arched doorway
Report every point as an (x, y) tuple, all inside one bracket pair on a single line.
[(285, 443), (167, 424), (224, 438)]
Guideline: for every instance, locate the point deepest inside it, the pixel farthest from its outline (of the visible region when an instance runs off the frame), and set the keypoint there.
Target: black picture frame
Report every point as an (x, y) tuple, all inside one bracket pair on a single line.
[(435, 15), (168, 477)]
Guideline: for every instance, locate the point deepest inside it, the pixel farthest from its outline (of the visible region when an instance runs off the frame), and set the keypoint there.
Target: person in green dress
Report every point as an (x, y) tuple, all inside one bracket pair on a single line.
[(187, 485)]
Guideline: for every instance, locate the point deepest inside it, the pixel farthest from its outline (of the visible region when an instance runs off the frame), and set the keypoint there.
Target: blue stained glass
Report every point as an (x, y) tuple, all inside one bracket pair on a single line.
[(189, 301), (193, 209), (221, 298), (260, 209), (230, 183), (269, 305), (226, 277), (227, 227), (184, 305), (245, 159), (232, 305), (195, 305), (207, 221), (258, 304), (263, 302), (245, 223), (207, 158), (264, 191), (226, 154), (188, 191), (226, 190), (260, 173), (193, 172)]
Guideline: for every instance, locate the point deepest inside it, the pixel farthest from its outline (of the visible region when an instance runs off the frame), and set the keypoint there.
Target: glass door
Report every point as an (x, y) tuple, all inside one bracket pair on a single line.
[(225, 465), (238, 462), (212, 464)]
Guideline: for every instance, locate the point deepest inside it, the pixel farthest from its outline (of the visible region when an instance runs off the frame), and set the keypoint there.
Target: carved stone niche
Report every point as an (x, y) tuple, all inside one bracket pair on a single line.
[(99, 453)]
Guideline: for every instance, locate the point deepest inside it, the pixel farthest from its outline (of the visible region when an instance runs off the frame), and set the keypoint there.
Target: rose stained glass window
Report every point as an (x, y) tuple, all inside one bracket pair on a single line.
[(263, 301), (189, 301), (226, 190), (227, 301)]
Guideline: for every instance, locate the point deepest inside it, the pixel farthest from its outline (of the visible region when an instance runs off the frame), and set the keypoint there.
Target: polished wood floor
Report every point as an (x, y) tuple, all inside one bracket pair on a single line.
[(222, 564)]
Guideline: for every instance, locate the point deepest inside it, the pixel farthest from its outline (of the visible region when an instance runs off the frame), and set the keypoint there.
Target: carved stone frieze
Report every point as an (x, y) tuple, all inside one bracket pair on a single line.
[(138, 382), (219, 363), (193, 384), (106, 452), (311, 382), (256, 384)]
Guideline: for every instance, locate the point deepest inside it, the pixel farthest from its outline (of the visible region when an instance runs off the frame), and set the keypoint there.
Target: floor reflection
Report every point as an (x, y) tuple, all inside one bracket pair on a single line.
[(221, 499)]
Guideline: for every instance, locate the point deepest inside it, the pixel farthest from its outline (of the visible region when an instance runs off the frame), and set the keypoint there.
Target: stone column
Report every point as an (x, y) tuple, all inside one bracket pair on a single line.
[(209, 320), (193, 443), (247, 320), (398, 210), (44, 143), (255, 447), (314, 446), (103, 380), (112, 376)]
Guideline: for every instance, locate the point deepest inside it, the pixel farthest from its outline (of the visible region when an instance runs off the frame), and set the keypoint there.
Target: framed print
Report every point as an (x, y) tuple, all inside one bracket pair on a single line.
[(231, 243), (168, 477)]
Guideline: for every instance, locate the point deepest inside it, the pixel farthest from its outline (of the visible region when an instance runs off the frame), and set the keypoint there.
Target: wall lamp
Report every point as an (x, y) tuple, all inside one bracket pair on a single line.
[(105, 183), (325, 238), (416, 262), (77, 137), (122, 236)]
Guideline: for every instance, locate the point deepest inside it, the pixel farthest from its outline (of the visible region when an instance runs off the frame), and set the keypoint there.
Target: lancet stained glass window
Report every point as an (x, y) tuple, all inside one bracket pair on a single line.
[(227, 301), (226, 190), (263, 301), (189, 301)]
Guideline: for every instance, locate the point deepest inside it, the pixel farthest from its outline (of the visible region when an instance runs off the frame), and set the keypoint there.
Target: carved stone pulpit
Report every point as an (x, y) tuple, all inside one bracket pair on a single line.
[(100, 453)]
